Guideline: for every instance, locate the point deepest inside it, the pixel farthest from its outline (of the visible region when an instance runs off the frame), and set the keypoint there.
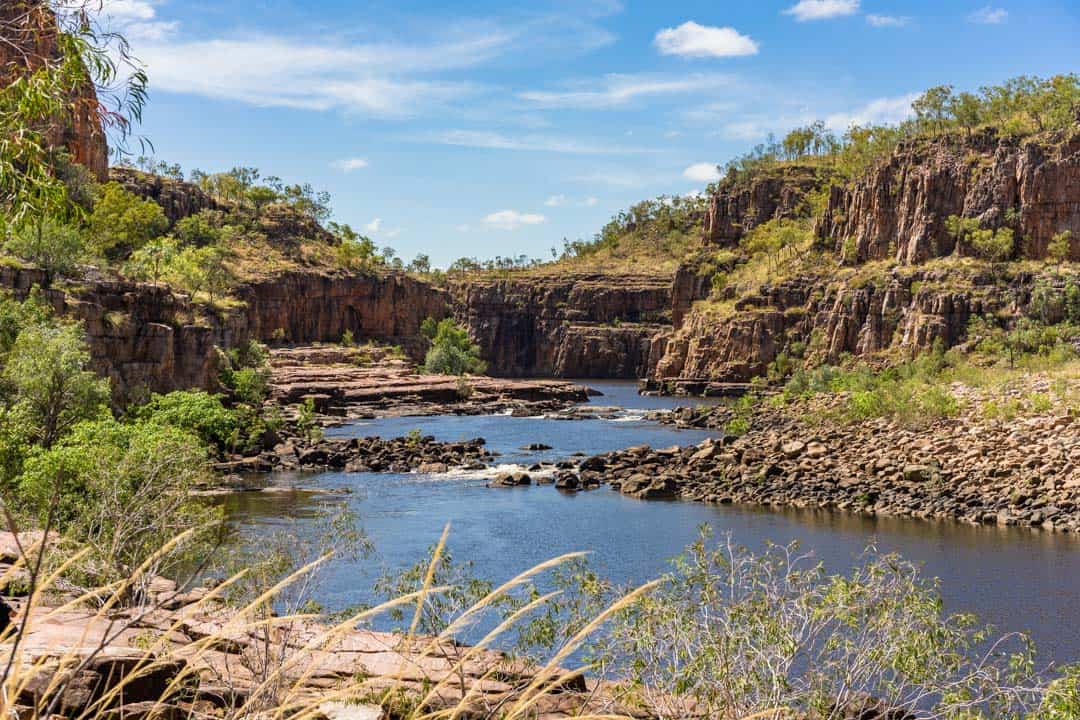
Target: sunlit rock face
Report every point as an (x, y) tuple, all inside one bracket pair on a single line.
[(30, 41)]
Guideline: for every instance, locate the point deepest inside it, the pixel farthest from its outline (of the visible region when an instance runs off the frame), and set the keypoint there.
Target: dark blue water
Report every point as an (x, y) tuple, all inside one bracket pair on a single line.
[(1015, 579)]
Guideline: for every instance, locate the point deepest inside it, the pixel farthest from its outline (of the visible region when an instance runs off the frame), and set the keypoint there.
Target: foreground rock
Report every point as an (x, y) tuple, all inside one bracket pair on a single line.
[(1024, 471), (355, 382), (187, 655)]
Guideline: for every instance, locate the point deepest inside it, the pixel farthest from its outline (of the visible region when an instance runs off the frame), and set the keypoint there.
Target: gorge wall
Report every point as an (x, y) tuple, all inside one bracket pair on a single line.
[(572, 325), (898, 210), (895, 212)]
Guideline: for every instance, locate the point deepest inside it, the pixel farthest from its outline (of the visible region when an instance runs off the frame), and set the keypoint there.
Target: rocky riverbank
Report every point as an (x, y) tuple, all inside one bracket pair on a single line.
[(976, 467), (371, 454)]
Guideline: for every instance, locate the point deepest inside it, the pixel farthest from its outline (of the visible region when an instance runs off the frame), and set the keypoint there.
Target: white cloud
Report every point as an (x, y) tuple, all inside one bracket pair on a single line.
[(128, 10), (989, 16), (698, 41), (136, 20), (374, 225), (350, 164), (616, 90), (530, 142), (512, 219), (822, 9), (887, 20), (888, 110), (463, 227), (562, 201), (273, 71), (702, 172)]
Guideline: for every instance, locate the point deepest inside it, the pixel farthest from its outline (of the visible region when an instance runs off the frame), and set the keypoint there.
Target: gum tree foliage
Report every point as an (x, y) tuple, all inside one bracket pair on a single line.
[(38, 97), (123, 222), (52, 387), (55, 247), (119, 489)]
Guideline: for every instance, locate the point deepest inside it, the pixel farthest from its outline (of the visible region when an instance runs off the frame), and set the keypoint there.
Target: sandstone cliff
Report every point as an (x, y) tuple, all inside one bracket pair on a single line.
[(577, 325), (898, 209), (739, 205), (895, 212), (30, 41)]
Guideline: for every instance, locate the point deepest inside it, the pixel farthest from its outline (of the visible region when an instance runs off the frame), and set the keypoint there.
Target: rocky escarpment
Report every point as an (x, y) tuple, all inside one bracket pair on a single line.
[(909, 309), (30, 42), (309, 306), (577, 325), (738, 206), (898, 210), (142, 337), (146, 338), (178, 199)]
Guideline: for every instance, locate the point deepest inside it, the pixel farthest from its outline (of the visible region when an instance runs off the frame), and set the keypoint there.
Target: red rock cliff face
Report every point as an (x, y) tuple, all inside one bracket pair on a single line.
[(898, 210), (584, 325), (30, 40), (910, 311), (737, 206), (142, 337), (309, 306)]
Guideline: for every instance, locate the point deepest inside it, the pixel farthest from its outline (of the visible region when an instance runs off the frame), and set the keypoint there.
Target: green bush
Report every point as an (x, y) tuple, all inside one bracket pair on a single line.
[(195, 411), (55, 247), (123, 222), (452, 352), (117, 488), (47, 371)]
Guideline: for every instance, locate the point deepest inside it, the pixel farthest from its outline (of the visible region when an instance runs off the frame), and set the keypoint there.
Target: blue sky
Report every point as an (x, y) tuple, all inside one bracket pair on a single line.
[(486, 128)]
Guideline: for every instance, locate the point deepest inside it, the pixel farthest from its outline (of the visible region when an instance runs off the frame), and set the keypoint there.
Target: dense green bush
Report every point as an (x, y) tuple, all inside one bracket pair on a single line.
[(49, 381), (123, 222), (120, 489), (452, 352), (55, 247), (195, 411)]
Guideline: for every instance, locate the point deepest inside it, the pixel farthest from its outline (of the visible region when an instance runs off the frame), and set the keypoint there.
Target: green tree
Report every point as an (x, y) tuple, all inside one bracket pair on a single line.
[(966, 108), (451, 352), (123, 222), (932, 107), (55, 247), (47, 370), (420, 264), (198, 229), (1060, 246), (261, 196), (994, 246), (119, 489), (152, 261), (195, 411)]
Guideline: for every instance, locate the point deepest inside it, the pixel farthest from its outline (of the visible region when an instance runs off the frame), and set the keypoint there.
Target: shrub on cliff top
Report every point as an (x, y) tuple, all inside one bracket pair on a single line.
[(123, 222)]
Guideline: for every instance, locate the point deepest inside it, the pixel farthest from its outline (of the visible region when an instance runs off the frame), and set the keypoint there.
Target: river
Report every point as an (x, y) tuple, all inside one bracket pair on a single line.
[(1015, 579)]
